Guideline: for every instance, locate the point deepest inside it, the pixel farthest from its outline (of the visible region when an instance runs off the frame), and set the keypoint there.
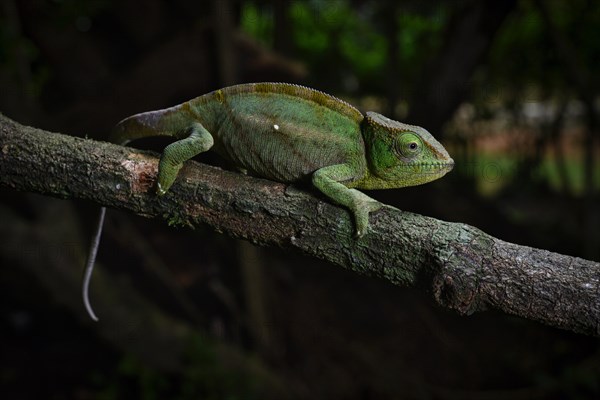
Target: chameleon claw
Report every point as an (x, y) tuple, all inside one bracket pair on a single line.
[(361, 222), (159, 189)]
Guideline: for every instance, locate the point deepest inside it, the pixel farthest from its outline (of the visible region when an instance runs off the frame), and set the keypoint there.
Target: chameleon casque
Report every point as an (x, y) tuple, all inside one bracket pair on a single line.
[(289, 133)]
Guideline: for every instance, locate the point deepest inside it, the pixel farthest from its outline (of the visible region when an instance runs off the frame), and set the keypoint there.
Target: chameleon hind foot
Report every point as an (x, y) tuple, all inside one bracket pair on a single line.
[(175, 154)]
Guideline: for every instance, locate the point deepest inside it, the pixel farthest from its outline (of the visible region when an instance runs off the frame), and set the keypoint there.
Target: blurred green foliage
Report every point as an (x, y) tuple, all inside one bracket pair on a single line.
[(351, 38), (523, 63)]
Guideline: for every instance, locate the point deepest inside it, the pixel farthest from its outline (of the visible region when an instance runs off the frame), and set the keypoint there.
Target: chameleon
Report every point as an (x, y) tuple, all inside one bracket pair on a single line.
[(288, 133)]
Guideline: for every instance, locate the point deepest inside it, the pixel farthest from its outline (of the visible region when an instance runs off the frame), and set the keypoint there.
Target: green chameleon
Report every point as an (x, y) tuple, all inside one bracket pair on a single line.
[(289, 133)]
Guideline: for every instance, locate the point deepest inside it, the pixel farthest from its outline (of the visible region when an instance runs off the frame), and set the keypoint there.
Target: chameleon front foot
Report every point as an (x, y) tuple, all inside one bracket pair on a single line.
[(327, 180), (361, 207)]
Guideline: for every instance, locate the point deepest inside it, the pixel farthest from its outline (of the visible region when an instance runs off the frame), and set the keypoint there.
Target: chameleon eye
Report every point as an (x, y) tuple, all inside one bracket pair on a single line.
[(408, 145)]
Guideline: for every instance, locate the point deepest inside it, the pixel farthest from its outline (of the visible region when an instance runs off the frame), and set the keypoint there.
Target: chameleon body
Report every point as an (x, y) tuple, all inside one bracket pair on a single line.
[(290, 133)]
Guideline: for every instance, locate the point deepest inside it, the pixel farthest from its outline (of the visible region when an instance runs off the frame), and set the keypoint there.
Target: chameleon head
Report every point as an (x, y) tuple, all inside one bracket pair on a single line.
[(401, 155)]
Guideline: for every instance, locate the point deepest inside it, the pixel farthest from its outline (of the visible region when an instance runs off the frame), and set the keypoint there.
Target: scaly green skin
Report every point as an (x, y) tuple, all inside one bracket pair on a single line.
[(291, 133)]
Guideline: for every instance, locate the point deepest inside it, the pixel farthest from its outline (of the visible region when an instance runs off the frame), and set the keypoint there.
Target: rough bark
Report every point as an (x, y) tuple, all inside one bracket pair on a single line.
[(463, 268)]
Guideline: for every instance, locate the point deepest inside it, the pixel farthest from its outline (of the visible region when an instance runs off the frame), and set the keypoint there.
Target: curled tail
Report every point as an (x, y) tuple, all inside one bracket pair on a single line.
[(168, 122)]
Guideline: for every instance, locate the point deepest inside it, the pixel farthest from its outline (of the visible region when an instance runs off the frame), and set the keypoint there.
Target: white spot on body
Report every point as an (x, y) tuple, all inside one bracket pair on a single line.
[(588, 286), (118, 187), (276, 127)]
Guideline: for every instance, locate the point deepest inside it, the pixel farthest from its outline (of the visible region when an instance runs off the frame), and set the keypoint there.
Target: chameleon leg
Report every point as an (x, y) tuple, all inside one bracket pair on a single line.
[(328, 179), (173, 156)]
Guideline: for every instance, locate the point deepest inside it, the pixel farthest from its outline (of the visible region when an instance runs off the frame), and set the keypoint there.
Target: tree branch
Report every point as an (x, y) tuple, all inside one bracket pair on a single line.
[(463, 268)]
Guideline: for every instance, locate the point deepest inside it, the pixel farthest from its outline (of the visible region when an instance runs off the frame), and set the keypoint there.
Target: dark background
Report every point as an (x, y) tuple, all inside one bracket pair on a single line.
[(510, 88)]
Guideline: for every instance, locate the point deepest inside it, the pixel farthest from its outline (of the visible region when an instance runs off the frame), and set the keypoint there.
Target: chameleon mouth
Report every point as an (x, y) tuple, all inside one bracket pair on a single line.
[(449, 165), (438, 168)]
